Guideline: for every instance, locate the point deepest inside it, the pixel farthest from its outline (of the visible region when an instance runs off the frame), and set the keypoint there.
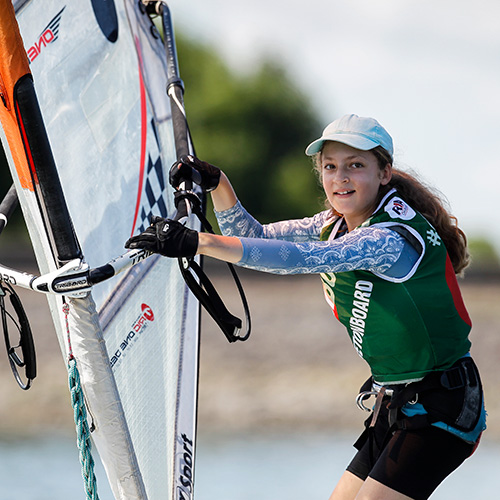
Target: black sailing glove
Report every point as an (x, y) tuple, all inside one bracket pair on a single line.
[(200, 172), (166, 237)]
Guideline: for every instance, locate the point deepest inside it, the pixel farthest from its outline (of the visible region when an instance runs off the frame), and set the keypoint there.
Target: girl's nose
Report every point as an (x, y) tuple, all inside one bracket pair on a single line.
[(341, 177)]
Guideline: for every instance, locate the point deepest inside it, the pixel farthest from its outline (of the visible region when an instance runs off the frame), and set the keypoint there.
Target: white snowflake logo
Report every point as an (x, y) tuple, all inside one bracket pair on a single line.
[(433, 237), (255, 254), (284, 253)]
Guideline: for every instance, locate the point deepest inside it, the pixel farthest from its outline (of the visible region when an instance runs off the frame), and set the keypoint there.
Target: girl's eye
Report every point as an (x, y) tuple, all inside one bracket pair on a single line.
[(329, 166), (357, 165)]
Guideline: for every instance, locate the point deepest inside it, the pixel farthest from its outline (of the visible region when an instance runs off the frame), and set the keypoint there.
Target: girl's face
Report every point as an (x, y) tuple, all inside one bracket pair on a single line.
[(351, 180)]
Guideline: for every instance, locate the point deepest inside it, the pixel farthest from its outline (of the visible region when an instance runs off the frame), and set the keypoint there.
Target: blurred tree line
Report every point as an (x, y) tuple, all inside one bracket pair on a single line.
[(255, 126), (485, 262)]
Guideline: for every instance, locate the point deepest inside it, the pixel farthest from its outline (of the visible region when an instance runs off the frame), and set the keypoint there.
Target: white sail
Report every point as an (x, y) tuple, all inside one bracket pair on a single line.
[(100, 82)]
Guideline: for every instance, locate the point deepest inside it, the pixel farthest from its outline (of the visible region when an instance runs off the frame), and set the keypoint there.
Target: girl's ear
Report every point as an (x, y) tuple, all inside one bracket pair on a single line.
[(386, 174)]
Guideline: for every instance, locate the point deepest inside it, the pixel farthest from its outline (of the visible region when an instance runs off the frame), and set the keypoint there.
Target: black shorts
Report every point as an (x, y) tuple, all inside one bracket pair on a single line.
[(412, 462)]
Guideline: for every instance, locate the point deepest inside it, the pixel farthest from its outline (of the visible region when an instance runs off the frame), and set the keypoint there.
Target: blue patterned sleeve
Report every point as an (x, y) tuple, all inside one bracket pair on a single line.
[(236, 221), (373, 249)]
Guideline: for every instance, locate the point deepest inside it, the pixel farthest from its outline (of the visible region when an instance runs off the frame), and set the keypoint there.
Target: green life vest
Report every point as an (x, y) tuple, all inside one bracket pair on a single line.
[(403, 327)]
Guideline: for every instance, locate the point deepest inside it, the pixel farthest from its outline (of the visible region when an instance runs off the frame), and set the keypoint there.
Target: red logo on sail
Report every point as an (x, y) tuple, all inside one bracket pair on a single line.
[(49, 34), (147, 315), (148, 312), (136, 330)]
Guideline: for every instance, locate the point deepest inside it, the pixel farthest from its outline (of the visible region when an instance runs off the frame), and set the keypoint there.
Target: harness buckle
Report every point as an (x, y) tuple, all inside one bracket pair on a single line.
[(376, 390), (360, 398)]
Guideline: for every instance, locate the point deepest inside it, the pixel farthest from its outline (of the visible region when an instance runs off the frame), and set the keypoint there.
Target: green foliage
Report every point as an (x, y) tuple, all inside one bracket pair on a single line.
[(484, 255), (5, 178), (16, 223), (255, 127)]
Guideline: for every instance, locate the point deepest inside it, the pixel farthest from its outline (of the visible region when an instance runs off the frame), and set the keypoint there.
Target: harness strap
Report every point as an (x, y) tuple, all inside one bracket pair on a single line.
[(27, 357), (204, 291), (378, 404)]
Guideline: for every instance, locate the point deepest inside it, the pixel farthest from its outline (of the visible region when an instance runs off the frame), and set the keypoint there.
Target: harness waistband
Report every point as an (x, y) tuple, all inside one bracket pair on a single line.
[(462, 374)]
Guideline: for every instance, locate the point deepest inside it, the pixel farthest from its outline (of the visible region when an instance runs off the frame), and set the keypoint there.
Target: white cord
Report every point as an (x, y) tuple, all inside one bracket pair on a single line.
[(171, 93)]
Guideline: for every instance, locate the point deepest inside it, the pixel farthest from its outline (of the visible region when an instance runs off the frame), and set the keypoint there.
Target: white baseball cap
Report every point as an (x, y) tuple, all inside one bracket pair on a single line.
[(355, 131)]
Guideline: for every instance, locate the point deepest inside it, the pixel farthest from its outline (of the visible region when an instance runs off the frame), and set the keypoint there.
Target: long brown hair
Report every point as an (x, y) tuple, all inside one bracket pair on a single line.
[(426, 200)]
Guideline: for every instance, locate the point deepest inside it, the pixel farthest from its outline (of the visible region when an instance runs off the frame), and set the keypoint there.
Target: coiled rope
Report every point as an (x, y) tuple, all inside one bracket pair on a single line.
[(80, 415)]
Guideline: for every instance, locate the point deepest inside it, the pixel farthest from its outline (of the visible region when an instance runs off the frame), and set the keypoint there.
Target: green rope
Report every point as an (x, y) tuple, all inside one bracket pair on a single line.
[(82, 431)]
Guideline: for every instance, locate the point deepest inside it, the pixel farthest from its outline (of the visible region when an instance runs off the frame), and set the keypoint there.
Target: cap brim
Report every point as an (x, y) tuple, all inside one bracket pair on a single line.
[(355, 141)]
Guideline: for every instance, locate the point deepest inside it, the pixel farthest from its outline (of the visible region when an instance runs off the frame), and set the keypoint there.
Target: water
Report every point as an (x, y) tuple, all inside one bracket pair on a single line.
[(242, 467), (295, 468)]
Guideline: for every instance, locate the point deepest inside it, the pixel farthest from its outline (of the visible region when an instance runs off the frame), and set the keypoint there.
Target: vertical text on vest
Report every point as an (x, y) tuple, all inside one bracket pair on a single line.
[(360, 305)]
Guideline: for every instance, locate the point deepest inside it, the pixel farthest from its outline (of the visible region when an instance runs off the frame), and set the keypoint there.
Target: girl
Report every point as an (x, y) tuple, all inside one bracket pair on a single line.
[(388, 254)]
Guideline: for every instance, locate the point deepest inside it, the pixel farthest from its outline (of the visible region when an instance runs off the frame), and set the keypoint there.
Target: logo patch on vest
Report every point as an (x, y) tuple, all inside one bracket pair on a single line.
[(398, 209)]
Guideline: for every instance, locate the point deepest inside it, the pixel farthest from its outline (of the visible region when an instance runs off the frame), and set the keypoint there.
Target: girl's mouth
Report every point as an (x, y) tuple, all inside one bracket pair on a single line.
[(343, 193)]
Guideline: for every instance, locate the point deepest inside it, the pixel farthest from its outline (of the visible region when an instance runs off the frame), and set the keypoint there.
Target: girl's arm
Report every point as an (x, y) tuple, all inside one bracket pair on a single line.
[(223, 196), (375, 249), (226, 248)]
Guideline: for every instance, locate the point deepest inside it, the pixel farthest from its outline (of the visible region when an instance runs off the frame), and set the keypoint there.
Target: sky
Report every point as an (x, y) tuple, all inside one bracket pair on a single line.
[(427, 70)]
